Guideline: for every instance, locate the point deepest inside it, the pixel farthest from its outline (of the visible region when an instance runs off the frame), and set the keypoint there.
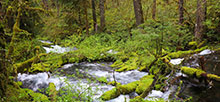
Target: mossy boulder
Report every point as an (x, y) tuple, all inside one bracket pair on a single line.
[(17, 94), (128, 88), (111, 94), (144, 84)]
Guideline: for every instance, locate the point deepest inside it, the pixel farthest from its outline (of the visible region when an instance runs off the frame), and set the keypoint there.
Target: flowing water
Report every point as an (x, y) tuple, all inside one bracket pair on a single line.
[(200, 91), (93, 71)]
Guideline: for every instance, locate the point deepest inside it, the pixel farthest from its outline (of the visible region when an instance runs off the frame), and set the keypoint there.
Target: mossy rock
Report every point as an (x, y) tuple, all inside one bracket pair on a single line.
[(144, 84), (128, 88), (121, 89), (17, 94), (111, 94)]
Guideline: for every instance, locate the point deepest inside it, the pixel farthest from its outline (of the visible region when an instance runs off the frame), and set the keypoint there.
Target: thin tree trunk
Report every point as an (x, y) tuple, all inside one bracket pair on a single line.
[(45, 2), (58, 8), (94, 15), (102, 14), (138, 12), (79, 17), (200, 18), (181, 12), (87, 21), (3, 73), (154, 9)]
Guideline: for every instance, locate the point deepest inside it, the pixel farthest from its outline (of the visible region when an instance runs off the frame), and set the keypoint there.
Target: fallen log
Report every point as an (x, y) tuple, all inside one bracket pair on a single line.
[(198, 73), (137, 86), (19, 67)]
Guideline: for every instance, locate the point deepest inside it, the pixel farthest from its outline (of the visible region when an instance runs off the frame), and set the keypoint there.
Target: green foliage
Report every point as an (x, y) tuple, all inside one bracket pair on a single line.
[(212, 21), (102, 79)]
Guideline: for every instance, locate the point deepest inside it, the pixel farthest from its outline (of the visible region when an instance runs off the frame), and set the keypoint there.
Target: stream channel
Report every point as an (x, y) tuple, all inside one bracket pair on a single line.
[(85, 70)]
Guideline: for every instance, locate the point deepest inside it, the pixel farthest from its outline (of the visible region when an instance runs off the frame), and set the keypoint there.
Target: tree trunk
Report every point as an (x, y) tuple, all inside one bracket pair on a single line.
[(102, 14), (138, 12), (181, 12), (154, 9), (87, 21), (94, 16), (200, 18), (79, 17), (58, 8), (45, 2), (3, 74)]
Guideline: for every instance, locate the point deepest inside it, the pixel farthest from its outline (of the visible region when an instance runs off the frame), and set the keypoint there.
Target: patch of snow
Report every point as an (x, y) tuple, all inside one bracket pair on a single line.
[(206, 52), (176, 61)]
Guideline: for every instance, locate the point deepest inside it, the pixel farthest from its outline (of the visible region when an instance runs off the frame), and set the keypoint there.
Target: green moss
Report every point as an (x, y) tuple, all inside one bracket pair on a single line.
[(121, 89), (111, 94), (37, 96), (180, 54), (17, 94), (128, 88), (102, 79), (158, 86), (212, 76), (144, 84), (192, 71), (139, 99), (113, 83), (145, 62), (193, 43), (52, 91), (26, 64), (130, 64)]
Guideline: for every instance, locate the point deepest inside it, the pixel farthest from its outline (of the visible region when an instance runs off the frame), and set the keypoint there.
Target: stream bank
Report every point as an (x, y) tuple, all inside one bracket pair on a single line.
[(101, 74)]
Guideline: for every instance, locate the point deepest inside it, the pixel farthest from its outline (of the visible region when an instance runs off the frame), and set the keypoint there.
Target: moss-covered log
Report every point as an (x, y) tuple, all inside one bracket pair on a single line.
[(144, 84), (138, 86), (180, 54), (198, 73), (19, 67)]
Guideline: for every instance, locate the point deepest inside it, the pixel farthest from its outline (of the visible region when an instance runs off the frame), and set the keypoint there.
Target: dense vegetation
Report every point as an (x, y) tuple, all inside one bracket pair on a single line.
[(144, 34)]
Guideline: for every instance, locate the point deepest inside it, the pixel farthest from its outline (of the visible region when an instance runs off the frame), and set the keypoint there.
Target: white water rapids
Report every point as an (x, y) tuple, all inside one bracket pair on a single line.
[(41, 80)]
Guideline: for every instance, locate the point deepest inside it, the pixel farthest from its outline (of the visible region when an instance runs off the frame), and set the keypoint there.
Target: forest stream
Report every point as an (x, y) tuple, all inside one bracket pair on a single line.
[(102, 71)]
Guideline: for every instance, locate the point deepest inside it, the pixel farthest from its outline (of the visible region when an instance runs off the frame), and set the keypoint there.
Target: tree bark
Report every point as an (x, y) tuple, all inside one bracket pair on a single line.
[(94, 16), (102, 15), (58, 8), (138, 12), (154, 9), (87, 21), (181, 12), (45, 2), (200, 18), (3, 74)]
